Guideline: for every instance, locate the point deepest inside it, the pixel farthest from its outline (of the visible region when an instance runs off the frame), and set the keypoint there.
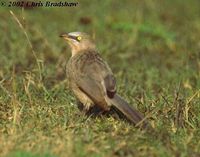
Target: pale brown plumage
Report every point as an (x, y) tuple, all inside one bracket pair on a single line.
[(91, 79)]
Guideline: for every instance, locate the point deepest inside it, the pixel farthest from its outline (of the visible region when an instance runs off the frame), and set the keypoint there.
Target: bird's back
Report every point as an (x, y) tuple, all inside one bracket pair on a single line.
[(88, 63)]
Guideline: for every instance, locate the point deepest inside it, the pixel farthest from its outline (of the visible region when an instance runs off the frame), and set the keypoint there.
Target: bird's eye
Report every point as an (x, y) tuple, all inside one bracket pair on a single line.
[(79, 38)]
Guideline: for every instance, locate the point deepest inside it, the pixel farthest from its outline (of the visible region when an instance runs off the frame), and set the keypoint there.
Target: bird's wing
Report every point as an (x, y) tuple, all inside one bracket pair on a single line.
[(110, 85), (91, 88), (95, 78)]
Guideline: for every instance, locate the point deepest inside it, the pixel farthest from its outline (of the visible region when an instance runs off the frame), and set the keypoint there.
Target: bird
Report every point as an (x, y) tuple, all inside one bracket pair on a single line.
[(92, 80)]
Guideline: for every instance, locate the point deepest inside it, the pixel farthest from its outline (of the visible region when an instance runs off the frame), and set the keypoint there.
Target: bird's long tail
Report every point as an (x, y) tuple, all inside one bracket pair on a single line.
[(131, 113)]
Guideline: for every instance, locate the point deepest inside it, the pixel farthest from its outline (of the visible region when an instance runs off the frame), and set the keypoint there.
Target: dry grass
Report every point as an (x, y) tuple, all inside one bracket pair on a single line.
[(156, 62)]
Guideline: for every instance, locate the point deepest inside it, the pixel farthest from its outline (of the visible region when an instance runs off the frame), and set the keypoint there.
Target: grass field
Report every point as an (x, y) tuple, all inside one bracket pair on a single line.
[(153, 48)]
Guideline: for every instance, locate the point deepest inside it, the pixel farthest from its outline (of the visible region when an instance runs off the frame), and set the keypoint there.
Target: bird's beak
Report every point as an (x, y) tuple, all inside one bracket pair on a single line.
[(64, 36)]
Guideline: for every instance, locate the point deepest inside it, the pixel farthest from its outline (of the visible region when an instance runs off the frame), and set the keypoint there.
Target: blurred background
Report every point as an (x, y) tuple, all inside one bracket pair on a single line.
[(153, 48)]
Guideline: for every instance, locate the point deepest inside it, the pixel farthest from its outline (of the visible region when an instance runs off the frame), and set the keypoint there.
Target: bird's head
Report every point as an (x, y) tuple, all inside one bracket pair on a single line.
[(78, 41)]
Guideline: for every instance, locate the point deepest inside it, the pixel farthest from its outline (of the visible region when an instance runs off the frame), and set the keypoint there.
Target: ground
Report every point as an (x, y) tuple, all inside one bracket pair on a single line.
[(153, 48)]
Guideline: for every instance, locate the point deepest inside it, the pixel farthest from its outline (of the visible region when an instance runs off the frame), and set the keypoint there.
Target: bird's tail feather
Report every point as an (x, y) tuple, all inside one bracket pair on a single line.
[(131, 114)]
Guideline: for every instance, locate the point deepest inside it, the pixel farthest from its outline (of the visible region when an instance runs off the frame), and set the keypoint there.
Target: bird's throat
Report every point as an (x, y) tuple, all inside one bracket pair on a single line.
[(81, 48)]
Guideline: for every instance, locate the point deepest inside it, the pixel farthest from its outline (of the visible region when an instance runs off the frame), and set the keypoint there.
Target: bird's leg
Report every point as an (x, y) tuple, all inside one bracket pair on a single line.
[(84, 108), (89, 109), (81, 108), (80, 105), (95, 110)]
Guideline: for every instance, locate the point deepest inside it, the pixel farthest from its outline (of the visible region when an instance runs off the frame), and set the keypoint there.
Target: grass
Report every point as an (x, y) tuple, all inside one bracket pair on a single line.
[(153, 48)]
